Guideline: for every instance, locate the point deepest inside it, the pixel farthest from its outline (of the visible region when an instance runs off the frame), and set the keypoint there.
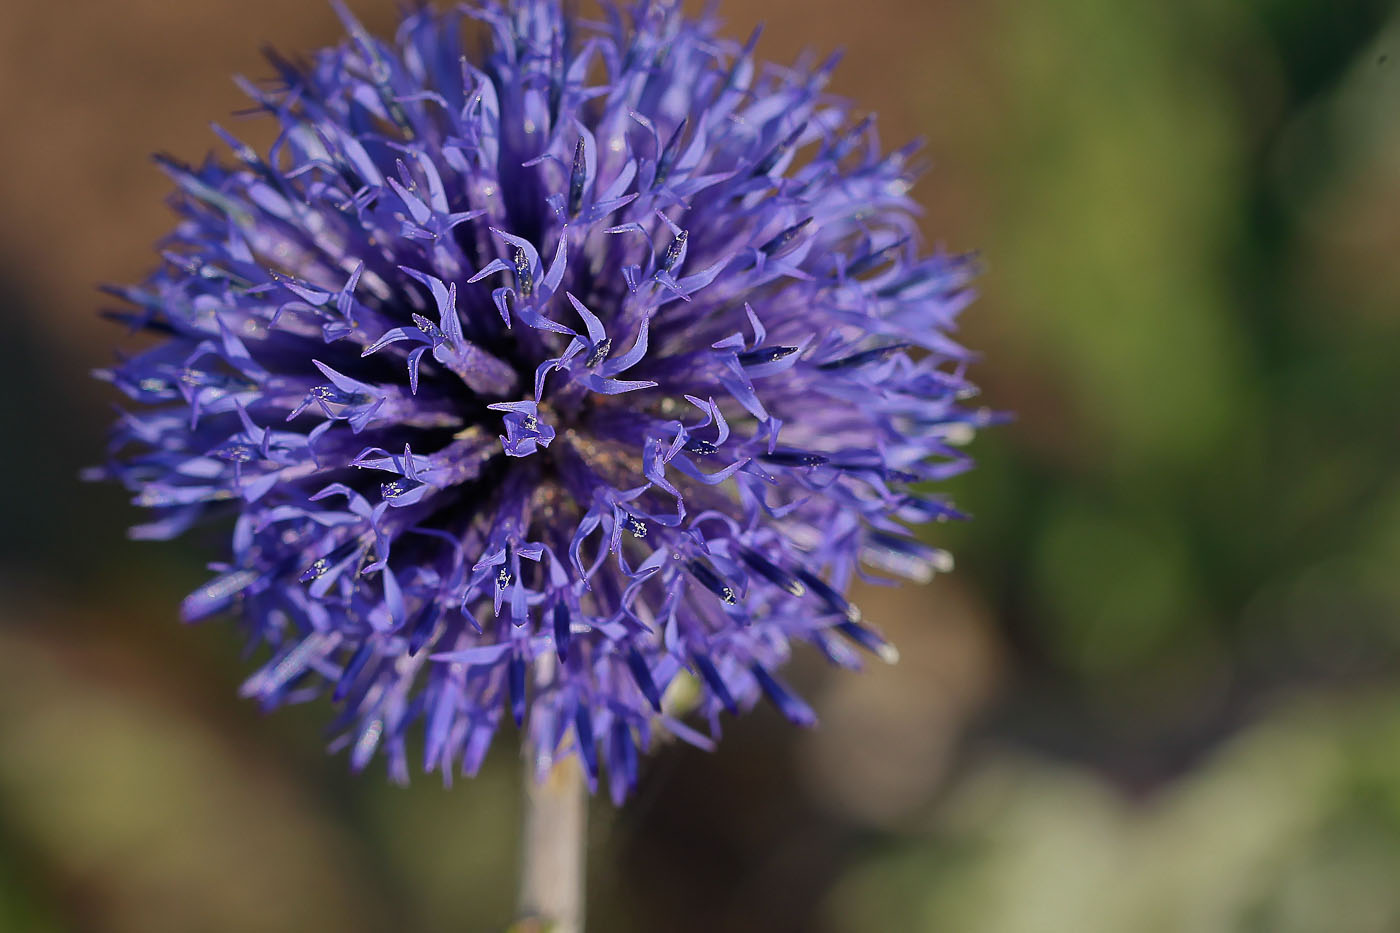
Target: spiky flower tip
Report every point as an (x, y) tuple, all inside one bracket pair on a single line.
[(559, 383)]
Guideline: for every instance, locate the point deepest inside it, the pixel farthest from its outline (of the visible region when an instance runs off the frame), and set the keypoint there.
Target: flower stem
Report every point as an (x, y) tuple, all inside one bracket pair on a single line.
[(552, 864)]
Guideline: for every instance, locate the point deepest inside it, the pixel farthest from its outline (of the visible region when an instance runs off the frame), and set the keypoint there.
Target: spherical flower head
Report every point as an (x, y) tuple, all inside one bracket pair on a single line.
[(568, 382)]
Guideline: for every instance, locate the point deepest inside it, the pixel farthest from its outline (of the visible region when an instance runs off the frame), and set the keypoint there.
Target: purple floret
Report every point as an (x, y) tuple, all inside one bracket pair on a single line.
[(531, 381)]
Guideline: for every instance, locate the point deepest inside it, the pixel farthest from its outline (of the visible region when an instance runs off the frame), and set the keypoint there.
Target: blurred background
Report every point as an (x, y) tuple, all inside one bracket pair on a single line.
[(1157, 694)]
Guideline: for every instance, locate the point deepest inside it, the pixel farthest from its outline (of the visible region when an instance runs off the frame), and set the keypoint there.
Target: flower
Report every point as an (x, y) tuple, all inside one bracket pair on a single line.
[(538, 382)]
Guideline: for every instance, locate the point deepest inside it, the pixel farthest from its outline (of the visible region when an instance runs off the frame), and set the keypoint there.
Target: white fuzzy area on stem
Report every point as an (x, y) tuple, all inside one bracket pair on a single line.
[(553, 846)]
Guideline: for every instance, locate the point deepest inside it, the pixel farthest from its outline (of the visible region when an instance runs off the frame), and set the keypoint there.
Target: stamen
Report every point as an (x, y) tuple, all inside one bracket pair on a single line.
[(760, 355), (794, 458), (711, 581), (784, 239), (576, 180), (524, 278)]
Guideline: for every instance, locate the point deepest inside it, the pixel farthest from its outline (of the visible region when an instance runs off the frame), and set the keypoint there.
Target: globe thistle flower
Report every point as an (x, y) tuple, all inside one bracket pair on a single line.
[(533, 380)]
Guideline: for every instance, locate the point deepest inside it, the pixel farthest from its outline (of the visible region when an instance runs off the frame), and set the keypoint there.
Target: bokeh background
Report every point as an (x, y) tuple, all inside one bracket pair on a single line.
[(1157, 694)]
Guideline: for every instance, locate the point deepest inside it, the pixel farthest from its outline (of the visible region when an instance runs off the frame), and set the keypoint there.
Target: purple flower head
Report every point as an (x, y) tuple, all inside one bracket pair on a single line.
[(539, 382)]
